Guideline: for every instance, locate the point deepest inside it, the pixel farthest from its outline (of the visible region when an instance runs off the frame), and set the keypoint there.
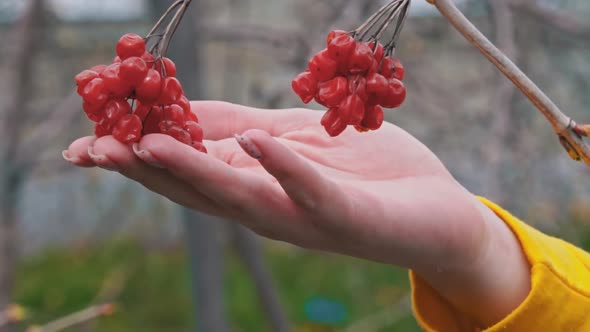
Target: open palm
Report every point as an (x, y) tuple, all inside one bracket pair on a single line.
[(380, 195)]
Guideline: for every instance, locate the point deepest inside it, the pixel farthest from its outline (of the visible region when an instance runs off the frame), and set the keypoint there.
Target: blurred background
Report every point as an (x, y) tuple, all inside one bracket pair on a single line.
[(73, 239)]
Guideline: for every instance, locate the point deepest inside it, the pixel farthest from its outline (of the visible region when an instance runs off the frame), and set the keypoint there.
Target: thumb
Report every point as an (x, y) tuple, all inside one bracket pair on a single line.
[(303, 183)]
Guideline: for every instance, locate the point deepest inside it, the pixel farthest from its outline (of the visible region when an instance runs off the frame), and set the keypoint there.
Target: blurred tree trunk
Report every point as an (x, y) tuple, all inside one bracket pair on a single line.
[(203, 233), (248, 248), (22, 47)]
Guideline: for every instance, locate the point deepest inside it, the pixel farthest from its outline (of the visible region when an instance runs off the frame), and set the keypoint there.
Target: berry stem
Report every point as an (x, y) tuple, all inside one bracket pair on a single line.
[(163, 18), (160, 48), (563, 125), (370, 23)]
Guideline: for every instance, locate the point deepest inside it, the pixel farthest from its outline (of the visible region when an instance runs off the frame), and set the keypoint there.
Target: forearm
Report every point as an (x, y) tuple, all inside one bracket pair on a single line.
[(495, 283)]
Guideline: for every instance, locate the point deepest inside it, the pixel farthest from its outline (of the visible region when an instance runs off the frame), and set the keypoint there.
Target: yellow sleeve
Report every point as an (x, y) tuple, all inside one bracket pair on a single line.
[(560, 288)]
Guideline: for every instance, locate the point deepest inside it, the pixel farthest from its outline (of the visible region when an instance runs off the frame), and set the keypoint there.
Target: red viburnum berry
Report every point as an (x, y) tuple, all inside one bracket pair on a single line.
[(185, 104), (151, 125), (323, 67), (133, 70), (396, 95), (149, 90), (198, 146), (171, 91), (361, 59), (100, 131), (84, 77), (377, 86), (378, 51), (94, 92), (332, 122), (180, 134), (352, 110), (333, 91), (116, 86), (128, 129), (398, 69), (305, 86), (99, 68), (341, 47), (114, 110), (333, 34), (373, 118), (142, 110), (168, 69), (195, 130), (130, 45), (174, 113)]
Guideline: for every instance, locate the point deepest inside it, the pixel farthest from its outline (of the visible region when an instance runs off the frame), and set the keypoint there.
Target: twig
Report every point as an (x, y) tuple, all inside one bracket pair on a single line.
[(74, 319), (558, 19), (562, 125)]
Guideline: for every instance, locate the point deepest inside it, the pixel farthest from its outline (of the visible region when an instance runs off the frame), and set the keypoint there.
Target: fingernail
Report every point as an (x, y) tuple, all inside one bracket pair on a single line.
[(66, 155), (146, 156), (102, 160), (248, 146)]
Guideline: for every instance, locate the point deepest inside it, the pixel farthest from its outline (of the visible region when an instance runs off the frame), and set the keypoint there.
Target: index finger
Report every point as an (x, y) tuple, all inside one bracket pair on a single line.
[(223, 120)]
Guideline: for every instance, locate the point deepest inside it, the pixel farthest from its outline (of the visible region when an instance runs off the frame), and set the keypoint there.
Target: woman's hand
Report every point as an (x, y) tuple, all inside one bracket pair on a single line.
[(381, 195)]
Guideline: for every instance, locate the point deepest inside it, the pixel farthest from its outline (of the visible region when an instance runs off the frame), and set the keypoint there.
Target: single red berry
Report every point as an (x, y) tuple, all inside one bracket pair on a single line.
[(174, 113), (180, 134), (149, 90), (195, 130), (361, 129), (398, 69), (152, 121), (361, 59), (322, 66), (94, 92), (333, 91), (373, 118), (84, 77), (352, 110), (114, 110), (169, 69), (377, 86), (100, 131), (333, 34), (171, 91), (92, 112), (133, 70), (396, 95), (185, 104), (128, 129), (341, 47), (332, 122), (392, 67), (305, 86), (116, 86), (130, 45)]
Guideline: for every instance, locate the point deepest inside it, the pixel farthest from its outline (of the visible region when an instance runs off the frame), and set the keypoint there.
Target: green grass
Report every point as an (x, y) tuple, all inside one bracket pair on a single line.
[(156, 295)]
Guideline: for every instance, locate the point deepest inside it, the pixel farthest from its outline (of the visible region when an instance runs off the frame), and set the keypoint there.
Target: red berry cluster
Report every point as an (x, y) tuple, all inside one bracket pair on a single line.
[(138, 95), (354, 80)]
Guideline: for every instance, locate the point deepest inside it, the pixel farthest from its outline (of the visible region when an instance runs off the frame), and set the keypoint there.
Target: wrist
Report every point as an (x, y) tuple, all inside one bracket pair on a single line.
[(495, 281)]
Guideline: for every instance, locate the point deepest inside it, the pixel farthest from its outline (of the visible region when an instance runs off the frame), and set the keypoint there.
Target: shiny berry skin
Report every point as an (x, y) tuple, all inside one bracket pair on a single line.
[(169, 69), (185, 104), (361, 59), (94, 92), (352, 110), (305, 86), (358, 85), (171, 91), (92, 112), (333, 34), (392, 68), (149, 90), (114, 110), (128, 129), (149, 59), (323, 67), (396, 94), (332, 122), (116, 86), (341, 47), (195, 130), (180, 134), (174, 113), (84, 77), (130, 45), (142, 110), (333, 91), (99, 68), (373, 118), (377, 86), (133, 70), (378, 52), (398, 69)]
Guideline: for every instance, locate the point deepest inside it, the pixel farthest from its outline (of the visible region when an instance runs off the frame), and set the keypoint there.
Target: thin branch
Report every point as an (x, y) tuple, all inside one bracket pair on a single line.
[(562, 125), (75, 318)]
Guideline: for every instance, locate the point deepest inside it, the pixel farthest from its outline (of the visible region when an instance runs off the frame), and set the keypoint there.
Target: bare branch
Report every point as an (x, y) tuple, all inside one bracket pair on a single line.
[(561, 123), (559, 19), (75, 318)]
